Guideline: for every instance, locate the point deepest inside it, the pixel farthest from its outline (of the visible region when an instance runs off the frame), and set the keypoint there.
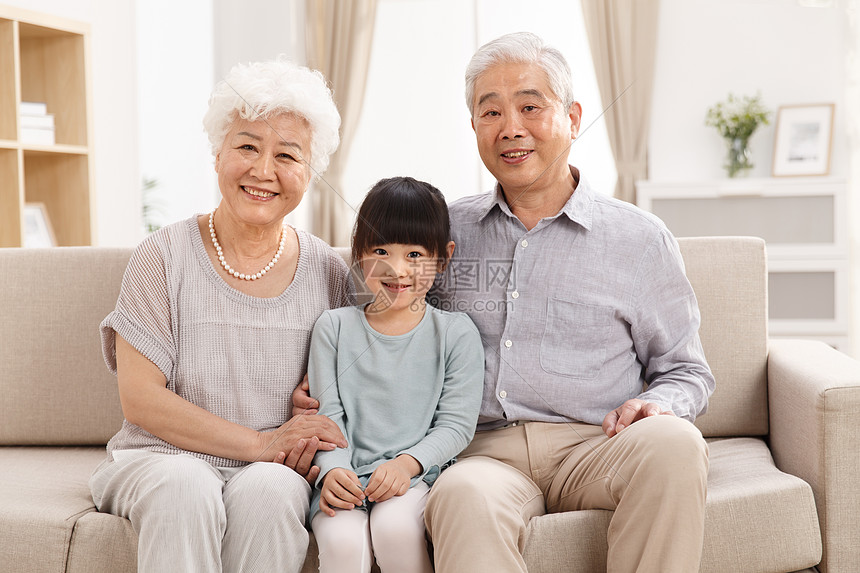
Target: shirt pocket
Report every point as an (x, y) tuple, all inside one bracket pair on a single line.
[(575, 337)]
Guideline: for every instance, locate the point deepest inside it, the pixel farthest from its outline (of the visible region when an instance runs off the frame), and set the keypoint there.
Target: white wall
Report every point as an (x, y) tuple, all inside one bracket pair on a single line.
[(852, 100), (255, 31), (789, 53), (175, 63), (180, 60), (708, 48), (114, 105)]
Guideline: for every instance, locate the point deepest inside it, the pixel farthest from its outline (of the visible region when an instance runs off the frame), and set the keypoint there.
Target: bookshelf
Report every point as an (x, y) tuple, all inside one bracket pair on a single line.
[(45, 60)]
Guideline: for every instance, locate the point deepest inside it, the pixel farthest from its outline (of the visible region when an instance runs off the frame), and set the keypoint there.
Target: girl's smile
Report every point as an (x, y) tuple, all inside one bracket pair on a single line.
[(399, 276)]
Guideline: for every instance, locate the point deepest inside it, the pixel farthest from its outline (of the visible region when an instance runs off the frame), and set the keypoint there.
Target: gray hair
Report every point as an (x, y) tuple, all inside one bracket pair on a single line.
[(264, 89), (521, 48)]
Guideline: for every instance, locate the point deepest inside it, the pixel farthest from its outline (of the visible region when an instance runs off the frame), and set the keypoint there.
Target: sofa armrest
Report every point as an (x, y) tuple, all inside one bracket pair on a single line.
[(814, 403)]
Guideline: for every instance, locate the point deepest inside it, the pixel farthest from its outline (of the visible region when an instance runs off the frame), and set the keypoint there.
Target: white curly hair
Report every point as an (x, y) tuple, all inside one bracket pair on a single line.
[(263, 89)]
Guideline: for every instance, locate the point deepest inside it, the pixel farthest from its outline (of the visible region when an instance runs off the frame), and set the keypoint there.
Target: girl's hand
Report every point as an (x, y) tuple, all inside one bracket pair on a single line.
[(392, 478), (340, 489)]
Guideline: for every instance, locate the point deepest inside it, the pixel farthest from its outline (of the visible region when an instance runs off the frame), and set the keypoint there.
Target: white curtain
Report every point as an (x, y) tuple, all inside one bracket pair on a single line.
[(339, 38), (623, 39)]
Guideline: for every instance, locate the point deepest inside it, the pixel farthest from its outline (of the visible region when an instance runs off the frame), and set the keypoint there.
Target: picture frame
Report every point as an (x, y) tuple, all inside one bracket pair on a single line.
[(38, 232), (803, 140)]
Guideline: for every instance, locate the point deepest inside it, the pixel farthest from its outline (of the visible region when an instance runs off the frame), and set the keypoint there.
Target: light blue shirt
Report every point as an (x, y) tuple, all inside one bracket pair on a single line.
[(577, 313), (417, 393)]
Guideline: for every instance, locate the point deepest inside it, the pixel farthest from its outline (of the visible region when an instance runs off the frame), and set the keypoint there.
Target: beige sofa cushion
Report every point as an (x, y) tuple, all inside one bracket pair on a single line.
[(102, 542), (56, 388), (757, 519), (729, 277), (48, 292), (43, 498)]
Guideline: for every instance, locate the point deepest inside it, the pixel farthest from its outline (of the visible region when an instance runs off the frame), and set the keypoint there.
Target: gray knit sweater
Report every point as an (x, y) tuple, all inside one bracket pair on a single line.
[(235, 355), (416, 393)]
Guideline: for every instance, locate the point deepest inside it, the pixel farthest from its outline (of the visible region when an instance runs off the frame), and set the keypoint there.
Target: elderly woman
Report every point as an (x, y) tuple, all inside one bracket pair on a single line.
[(210, 337)]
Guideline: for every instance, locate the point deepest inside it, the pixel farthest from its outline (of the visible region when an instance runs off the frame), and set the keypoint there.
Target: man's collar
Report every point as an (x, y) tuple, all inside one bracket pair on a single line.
[(578, 207)]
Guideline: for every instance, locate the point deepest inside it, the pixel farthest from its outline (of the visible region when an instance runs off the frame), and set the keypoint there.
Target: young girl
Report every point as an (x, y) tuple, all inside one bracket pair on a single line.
[(402, 379)]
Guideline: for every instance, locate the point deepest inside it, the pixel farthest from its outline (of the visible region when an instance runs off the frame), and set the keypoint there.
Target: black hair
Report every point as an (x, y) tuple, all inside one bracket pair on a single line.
[(402, 210)]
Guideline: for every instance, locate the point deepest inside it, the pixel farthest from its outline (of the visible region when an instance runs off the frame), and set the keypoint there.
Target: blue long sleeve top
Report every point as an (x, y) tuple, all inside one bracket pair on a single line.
[(417, 393)]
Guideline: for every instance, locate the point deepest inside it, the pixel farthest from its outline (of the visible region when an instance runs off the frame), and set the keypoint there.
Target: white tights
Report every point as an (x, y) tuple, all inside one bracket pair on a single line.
[(392, 531)]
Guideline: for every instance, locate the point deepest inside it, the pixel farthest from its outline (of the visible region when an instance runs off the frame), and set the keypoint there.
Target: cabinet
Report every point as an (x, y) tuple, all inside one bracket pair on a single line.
[(45, 59), (802, 220)]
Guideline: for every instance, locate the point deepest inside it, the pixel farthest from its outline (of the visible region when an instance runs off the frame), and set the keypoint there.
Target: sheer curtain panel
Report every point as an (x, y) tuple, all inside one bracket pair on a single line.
[(623, 39), (339, 38)]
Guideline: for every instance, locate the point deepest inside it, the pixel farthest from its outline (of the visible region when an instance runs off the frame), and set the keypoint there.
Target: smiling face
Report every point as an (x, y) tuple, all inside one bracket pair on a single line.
[(522, 129), (262, 168), (399, 276)]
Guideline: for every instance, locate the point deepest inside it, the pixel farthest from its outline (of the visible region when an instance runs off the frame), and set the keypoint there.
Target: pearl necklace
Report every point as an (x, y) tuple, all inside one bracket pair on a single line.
[(230, 270)]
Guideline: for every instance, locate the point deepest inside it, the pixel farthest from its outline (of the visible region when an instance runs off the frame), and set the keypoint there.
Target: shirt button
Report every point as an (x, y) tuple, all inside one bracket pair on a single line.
[(515, 294), (508, 343), (503, 394), (525, 243)]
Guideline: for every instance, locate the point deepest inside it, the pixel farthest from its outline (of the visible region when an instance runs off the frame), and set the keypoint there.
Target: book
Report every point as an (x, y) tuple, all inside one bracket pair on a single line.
[(37, 121), (36, 136), (32, 108)]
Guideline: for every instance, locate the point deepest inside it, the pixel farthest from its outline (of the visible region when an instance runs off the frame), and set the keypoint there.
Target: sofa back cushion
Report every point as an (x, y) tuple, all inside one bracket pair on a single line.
[(729, 276), (55, 387)]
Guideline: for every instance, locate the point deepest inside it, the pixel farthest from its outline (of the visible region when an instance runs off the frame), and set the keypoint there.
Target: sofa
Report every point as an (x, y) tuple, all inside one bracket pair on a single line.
[(784, 481)]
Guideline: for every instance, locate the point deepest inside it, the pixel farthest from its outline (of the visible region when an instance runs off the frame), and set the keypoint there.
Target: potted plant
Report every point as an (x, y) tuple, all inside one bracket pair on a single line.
[(737, 119)]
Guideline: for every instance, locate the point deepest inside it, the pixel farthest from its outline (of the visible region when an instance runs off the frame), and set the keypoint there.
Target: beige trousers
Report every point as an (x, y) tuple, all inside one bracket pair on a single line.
[(193, 517), (653, 474)]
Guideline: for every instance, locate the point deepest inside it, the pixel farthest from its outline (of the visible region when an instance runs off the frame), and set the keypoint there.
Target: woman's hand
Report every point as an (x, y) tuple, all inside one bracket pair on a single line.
[(303, 404), (342, 489), (392, 478), (317, 433), (301, 459)]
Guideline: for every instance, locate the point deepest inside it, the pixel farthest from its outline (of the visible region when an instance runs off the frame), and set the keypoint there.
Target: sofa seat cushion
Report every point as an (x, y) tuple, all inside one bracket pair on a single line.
[(48, 522), (758, 519)]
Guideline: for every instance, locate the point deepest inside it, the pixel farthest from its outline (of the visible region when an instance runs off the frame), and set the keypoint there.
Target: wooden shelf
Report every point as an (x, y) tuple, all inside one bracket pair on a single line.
[(54, 149), (45, 59)]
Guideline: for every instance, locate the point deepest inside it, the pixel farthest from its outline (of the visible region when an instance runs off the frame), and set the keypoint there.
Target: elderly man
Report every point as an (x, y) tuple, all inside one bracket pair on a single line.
[(582, 303)]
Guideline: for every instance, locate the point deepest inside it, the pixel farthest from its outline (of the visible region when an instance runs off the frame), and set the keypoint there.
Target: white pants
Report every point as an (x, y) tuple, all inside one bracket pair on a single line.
[(191, 516), (392, 531)]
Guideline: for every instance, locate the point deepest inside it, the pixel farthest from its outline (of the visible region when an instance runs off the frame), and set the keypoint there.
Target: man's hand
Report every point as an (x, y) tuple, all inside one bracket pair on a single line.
[(303, 404), (629, 412), (392, 478), (340, 489)]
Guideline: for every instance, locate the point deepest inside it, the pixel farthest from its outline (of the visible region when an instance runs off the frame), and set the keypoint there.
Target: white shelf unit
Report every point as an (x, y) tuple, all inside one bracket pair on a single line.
[(802, 220)]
